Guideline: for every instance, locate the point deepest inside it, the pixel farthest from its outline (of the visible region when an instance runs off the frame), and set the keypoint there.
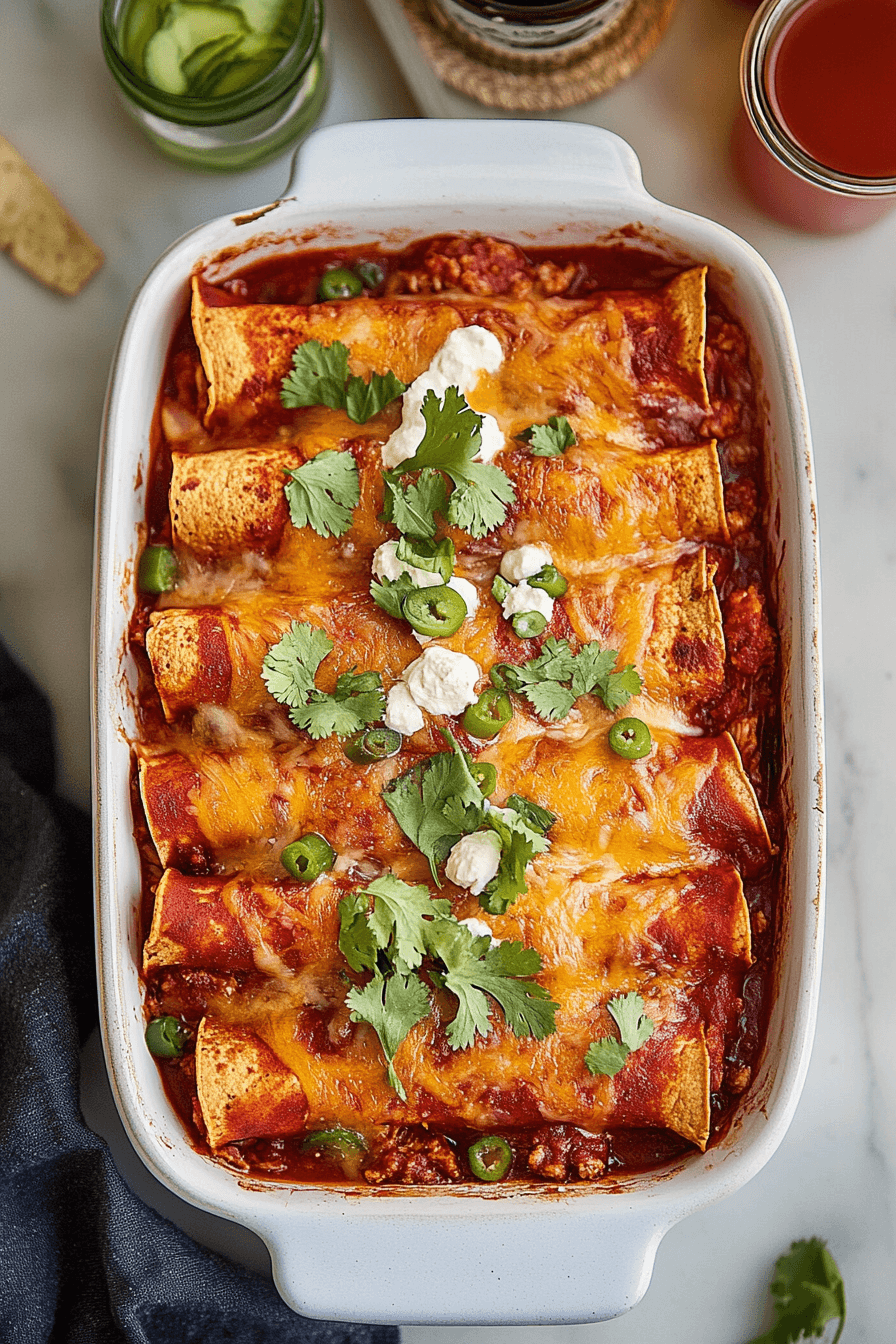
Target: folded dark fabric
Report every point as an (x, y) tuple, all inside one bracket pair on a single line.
[(82, 1259)]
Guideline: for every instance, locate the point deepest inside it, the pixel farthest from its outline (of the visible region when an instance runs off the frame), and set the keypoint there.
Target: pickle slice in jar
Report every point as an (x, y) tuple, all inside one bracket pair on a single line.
[(203, 64), (186, 29)]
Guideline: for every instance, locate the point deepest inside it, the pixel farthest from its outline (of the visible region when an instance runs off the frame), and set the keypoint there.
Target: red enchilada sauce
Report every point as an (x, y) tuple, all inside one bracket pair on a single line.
[(435, 1153), (832, 80)]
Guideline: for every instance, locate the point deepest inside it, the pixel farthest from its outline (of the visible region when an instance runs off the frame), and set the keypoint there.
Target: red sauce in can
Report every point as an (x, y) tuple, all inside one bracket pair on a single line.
[(832, 79)]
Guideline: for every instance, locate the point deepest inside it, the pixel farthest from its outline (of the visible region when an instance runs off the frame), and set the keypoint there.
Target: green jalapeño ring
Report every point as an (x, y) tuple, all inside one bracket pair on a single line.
[(211, 97)]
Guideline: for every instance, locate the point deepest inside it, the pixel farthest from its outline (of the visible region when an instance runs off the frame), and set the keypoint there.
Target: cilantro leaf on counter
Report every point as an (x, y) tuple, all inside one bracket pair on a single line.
[(473, 970), (607, 1055), (322, 493), (808, 1293), (320, 377), (450, 442), (418, 800), (412, 505), (289, 669), (554, 680), (393, 1005), (549, 440)]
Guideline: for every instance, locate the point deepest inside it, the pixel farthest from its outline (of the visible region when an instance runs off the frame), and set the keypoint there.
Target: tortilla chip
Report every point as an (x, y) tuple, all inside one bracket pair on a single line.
[(685, 1102), (38, 233)]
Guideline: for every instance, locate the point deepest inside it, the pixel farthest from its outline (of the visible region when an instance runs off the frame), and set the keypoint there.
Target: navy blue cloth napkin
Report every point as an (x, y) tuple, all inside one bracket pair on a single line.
[(82, 1259)]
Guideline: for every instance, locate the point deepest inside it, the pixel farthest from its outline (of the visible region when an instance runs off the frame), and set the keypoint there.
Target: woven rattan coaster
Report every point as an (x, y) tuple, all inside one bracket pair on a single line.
[(542, 82)]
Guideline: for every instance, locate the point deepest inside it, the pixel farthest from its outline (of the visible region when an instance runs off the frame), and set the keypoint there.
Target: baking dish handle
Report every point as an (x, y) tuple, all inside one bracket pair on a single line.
[(362, 163), (503, 1264)]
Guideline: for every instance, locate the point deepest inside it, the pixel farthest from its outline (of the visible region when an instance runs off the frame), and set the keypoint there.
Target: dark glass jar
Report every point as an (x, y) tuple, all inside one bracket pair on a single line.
[(235, 127), (815, 142), (518, 25)]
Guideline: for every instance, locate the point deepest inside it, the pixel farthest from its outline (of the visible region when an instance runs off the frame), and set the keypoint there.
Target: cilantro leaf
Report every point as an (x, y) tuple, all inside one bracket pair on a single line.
[(635, 1027), (320, 377), (418, 800), (620, 687), (449, 444), (549, 440), (519, 845), (607, 1055), (543, 680), (364, 400), (393, 1005), (322, 493), (556, 662), (478, 504), (390, 593), (400, 918), (549, 699), (412, 505), (357, 700), (538, 818), (290, 666), (808, 1292), (288, 671), (592, 666), (437, 557), (356, 942), (473, 970), (407, 924)]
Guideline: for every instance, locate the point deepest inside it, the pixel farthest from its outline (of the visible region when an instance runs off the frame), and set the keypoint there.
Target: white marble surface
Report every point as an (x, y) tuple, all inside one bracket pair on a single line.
[(835, 1175)]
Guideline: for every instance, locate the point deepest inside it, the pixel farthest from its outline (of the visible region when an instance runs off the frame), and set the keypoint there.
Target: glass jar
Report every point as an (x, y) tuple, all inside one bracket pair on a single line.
[(816, 76), (236, 129), (518, 25)]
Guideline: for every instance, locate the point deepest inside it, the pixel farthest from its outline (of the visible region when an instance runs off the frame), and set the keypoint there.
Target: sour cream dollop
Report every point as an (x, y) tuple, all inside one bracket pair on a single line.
[(466, 353), (442, 681)]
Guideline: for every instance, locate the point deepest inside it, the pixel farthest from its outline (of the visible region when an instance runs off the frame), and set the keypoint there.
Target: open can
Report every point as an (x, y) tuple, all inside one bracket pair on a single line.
[(815, 141)]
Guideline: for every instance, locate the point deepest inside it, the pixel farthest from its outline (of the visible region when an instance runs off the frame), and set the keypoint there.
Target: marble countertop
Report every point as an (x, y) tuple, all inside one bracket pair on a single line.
[(835, 1174)]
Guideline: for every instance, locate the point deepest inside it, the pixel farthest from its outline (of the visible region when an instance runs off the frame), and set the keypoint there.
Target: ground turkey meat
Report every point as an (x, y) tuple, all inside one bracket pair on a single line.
[(564, 1153), (411, 1155)]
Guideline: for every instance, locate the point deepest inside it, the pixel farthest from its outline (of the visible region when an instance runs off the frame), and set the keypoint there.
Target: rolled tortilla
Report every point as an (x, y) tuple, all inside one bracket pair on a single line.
[(241, 923), (248, 805), (636, 507), (603, 352), (243, 1088)]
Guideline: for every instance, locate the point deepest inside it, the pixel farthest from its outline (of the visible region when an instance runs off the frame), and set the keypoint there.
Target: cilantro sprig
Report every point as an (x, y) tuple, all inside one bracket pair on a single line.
[(549, 440), (289, 670), (405, 929), (437, 801), (320, 377), (480, 491), (322, 493), (392, 1004), (553, 681), (429, 802), (808, 1293), (607, 1055)]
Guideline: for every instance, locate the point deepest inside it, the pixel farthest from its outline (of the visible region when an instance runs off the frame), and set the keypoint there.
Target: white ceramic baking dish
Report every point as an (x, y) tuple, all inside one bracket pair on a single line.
[(583, 1254)]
